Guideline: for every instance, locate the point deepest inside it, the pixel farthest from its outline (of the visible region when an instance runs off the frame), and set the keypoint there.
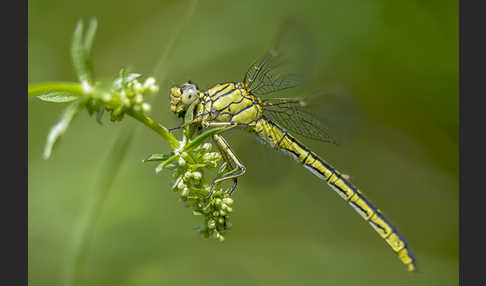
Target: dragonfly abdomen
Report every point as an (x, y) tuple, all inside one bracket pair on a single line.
[(279, 138)]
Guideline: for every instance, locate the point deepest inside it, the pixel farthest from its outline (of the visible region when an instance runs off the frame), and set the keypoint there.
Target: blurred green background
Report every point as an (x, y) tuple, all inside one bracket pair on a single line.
[(399, 59)]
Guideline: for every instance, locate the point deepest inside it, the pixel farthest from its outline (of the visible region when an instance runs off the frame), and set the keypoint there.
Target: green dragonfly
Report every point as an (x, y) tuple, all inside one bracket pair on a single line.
[(249, 104)]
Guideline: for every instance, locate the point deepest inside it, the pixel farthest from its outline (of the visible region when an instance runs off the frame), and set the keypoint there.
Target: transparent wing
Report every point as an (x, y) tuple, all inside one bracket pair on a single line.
[(326, 114), (299, 120), (288, 63)]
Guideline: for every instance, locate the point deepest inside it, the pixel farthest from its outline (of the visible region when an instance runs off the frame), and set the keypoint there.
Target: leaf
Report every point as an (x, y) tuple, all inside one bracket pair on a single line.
[(88, 44), (120, 82), (81, 57), (101, 111), (90, 34), (157, 157), (60, 127), (166, 163), (199, 139), (58, 97), (189, 129), (172, 166)]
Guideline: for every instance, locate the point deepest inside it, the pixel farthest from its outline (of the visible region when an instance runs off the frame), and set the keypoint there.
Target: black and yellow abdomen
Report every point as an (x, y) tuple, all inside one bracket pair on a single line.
[(278, 138)]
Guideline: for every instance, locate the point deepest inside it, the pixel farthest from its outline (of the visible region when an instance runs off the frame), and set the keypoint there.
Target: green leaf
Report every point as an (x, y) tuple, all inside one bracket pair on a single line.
[(88, 44), (199, 139), (172, 166), (60, 127), (79, 56), (165, 163), (189, 129), (58, 97), (101, 111), (157, 157), (89, 39)]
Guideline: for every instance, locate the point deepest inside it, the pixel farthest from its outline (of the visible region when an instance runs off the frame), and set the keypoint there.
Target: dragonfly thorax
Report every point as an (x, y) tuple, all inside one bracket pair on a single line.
[(229, 102)]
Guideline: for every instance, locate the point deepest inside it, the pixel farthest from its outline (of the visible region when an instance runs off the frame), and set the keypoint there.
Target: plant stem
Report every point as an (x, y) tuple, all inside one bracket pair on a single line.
[(161, 130), (47, 87), (77, 89)]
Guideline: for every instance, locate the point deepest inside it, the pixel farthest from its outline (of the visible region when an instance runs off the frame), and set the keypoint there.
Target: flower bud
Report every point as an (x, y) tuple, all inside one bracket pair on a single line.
[(146, 107), (181, 185), (197, 175), (207, 147), (139, 98), (228, 201), (107, 97), (185, 192), (137, 86)]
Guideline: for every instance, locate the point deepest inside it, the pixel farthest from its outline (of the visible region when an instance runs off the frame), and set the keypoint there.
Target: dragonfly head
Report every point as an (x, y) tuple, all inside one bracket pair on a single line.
[(182, 96)]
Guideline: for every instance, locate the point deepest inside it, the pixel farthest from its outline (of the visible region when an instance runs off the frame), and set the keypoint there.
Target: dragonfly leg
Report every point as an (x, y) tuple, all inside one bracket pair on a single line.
[(229, 155), (228, 162), (215, 124), (194, 121)]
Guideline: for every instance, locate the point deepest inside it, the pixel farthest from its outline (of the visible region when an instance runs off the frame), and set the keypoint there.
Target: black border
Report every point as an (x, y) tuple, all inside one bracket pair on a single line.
[(14, 204), (472, 76)]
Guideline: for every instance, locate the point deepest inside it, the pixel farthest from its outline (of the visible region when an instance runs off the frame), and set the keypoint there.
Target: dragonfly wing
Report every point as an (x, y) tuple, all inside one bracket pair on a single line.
[(288, 63), (301, 121), (328, 114)]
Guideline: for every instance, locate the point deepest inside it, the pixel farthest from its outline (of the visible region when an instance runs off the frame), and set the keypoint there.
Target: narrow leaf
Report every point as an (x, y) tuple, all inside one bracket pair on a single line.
[(90, 34), (88, 44), (77, 51), (100, 113), (157, 157), (60, 127), (189, 129), (165, 163), (58, 97), (199, 139), (78, 55)]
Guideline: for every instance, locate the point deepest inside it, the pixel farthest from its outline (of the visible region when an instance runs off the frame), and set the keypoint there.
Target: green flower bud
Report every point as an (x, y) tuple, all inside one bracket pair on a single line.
[(185, 192), (197, 175), (146, 107), (207, 147), (228, 201)]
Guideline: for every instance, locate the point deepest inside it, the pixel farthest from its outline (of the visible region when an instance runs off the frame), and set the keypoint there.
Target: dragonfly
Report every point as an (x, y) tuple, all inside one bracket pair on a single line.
[(251, 105)]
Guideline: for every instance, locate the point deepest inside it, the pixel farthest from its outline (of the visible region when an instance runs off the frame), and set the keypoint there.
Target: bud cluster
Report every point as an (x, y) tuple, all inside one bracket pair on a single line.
[(125, 93), (192, 188)]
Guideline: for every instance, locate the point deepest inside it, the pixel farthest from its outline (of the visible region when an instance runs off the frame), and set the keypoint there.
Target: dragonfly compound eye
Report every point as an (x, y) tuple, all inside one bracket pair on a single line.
[(189, 93)]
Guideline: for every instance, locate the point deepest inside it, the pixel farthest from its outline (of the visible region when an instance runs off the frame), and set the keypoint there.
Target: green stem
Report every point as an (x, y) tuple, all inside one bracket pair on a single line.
[(72, 87), (161, 130), (77, 89)]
